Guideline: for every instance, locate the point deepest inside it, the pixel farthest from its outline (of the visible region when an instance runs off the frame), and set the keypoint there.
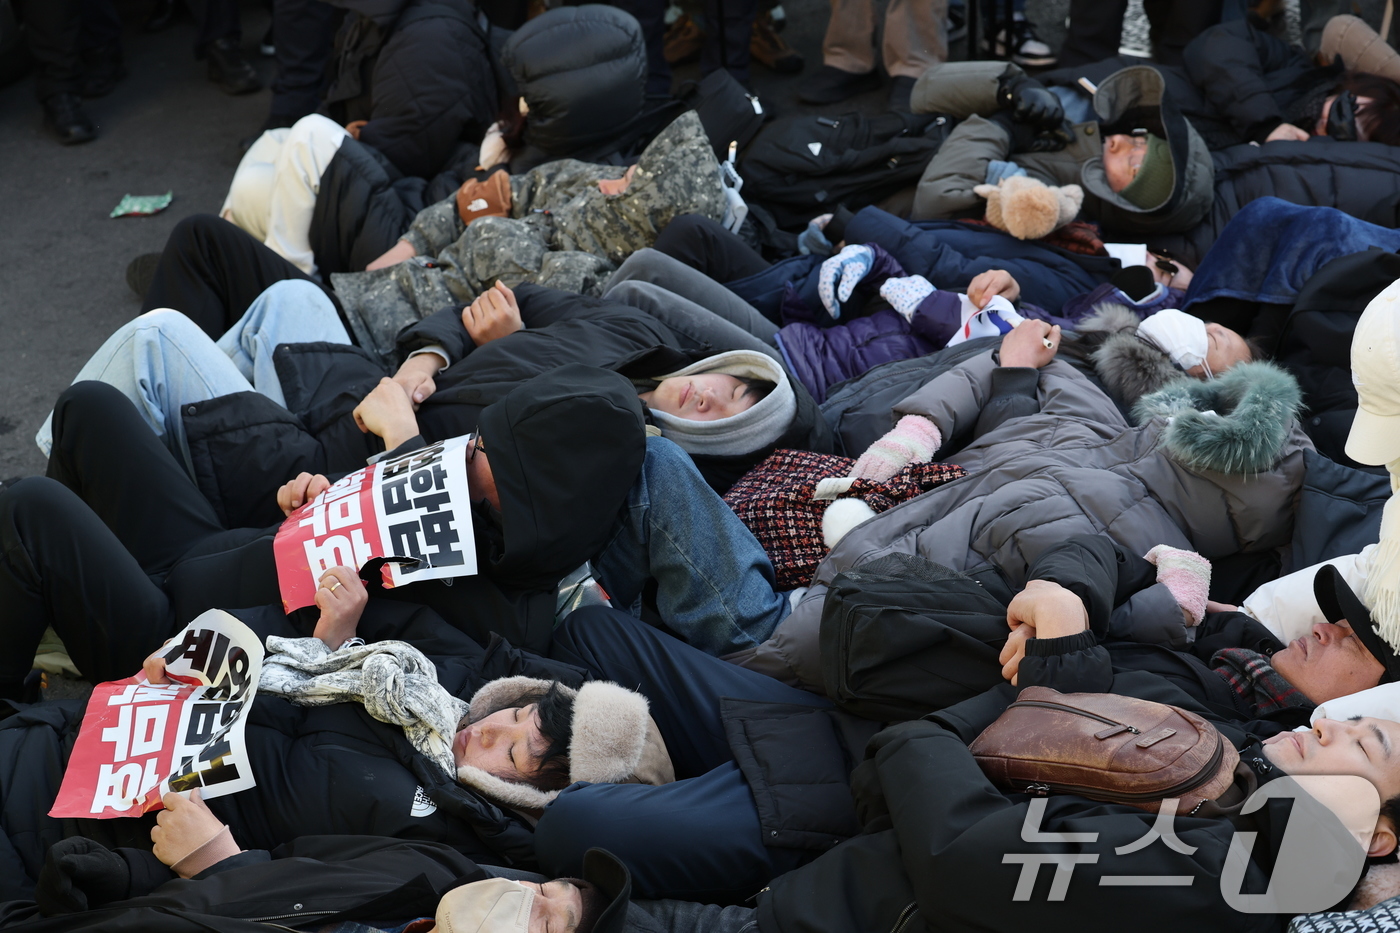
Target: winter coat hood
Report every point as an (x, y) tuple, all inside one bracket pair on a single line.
[(565, 448), (583, 72), (1137, 97), (613, 738), (752, 429), (1128, 366), (1238, 423)]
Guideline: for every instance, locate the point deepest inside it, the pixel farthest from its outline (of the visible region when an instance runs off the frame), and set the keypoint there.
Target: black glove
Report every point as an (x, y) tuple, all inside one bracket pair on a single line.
[(80, 874), (1026, 137), (1028, 101)]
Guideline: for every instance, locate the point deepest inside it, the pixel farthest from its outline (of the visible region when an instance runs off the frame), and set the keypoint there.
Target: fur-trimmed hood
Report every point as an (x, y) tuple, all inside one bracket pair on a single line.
[(614, 739), (1238, 423), (1128, 366)]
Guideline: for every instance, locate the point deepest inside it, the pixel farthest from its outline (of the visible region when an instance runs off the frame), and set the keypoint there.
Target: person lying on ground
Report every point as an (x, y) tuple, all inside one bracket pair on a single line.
[(728, 409), (1062, 459), (950, 254), (1129, 357), (636, 510), (567, 224), (81, 579), (331, 206), (535, 519), (349, 884), (1239, 85), (1147, 174)]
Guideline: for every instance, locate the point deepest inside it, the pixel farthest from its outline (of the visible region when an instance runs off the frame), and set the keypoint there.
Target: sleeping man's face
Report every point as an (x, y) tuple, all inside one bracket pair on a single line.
[(700, 397)]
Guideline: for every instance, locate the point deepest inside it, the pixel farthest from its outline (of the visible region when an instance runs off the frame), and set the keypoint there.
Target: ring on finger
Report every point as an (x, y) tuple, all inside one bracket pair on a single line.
[(335, 584)]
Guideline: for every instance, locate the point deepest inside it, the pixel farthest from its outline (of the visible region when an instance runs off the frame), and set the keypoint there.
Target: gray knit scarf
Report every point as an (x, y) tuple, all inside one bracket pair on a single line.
[(392, 680)]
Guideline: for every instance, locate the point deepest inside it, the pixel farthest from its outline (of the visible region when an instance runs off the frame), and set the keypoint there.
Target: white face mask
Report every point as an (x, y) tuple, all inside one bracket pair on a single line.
[(1180, 336)]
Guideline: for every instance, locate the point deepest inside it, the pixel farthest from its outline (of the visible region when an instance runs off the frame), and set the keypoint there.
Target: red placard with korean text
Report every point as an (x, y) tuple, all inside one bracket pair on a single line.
[(414, 506), (140, 741)]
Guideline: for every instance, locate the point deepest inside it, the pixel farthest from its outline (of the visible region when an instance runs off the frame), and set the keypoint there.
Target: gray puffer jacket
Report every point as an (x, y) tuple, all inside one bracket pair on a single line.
[(1213, 467)]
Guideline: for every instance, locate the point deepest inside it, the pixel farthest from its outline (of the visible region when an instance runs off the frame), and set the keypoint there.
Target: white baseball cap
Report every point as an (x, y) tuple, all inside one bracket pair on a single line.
[(1375, 371)]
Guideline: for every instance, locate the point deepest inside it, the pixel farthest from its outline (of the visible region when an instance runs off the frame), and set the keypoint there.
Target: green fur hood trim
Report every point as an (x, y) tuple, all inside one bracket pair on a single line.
[(1237, 423)]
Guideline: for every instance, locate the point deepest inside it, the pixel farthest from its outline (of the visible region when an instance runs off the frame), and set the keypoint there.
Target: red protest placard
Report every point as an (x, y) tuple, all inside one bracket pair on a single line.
[(140, 741), (417, 505)]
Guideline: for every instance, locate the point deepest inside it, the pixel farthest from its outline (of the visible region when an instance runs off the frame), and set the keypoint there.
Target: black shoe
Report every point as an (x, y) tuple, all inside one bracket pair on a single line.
[(64, 117), (901, 88), (141, 272), (267, 46), (162, 15), (230, 70), (102, 69), (828, 85)]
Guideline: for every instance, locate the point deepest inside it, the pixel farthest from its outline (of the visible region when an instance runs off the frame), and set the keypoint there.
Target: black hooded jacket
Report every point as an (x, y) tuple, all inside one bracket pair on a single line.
[(421, 73)]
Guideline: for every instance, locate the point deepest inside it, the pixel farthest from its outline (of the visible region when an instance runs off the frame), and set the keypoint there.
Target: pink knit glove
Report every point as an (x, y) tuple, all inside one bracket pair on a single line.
[(1186, 574), (915, 439)]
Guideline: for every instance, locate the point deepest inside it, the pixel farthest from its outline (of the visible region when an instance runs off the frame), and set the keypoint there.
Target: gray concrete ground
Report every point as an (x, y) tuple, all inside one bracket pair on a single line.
[(62, 279), (166, 128)]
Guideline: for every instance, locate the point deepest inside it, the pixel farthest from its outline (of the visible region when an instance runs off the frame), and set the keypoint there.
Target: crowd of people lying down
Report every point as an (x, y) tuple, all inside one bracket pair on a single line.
[(852, 541)]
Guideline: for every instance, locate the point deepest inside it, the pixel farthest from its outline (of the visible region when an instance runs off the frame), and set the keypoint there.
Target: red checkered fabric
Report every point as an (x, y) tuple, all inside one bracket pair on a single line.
[(774, 500)]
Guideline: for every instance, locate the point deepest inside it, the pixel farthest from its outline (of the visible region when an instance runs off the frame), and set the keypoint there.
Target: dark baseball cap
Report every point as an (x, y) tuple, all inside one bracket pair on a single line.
[(1338, 602)]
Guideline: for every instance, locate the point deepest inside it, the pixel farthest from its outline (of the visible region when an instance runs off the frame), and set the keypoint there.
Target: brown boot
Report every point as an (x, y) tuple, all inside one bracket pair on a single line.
[(768, 47), (683, 40)]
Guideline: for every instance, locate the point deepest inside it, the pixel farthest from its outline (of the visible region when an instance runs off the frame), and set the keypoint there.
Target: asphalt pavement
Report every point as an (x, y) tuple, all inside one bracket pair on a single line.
[(167, 128)]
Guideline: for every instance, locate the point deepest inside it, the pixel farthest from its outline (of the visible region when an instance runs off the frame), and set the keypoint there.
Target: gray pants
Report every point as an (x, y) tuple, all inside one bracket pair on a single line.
[(696, 307)]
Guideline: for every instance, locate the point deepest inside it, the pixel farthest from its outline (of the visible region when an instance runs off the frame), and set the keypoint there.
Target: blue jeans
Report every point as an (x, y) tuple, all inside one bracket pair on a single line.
[(698, 838), (715, 584), (163, 360)]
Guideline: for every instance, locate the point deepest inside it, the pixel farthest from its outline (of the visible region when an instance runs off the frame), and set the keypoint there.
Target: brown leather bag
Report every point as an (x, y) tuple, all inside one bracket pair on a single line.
[(1111, 748), (490, 197)]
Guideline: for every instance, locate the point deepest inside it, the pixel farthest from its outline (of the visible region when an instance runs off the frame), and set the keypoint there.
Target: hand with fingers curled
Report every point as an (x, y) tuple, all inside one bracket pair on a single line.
[(387, 413), (416, 374), (992, 284), (189, 837), (1030, 343), (494, 314), (1042, 610), (296, 493), (341, 596)]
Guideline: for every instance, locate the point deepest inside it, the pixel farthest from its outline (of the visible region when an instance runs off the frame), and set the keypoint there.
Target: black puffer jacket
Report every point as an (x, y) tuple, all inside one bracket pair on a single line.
[(421, 73), (364, 203), (1353, 177), (582, 70)]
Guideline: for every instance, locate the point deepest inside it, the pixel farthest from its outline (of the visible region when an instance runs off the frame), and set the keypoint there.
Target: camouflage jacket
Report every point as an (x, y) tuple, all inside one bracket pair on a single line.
[(562, 232)]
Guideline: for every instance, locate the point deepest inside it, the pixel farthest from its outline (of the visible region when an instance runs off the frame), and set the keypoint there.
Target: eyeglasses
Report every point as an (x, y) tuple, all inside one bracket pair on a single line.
[(474, 445)]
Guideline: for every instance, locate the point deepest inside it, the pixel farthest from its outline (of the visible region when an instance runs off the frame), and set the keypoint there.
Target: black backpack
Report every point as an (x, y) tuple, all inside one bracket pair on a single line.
[(902, 637), (802, 166)]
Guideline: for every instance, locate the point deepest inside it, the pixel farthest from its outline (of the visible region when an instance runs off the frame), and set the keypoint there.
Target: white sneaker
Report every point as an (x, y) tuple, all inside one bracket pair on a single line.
[(1027, 49)]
